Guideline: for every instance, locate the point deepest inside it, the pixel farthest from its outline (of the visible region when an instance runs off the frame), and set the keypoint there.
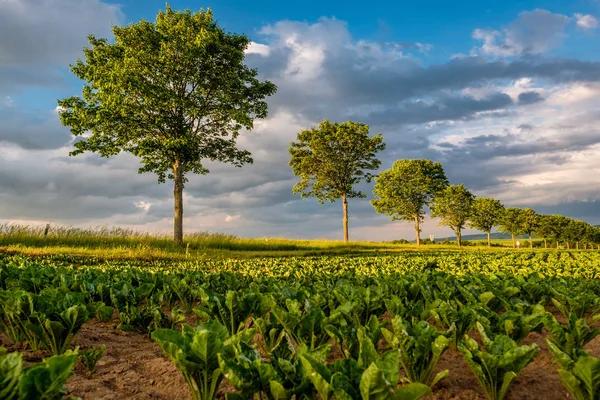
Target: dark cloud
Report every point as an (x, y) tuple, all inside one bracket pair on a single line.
[(33, 130), (530, 98), (439, 109)]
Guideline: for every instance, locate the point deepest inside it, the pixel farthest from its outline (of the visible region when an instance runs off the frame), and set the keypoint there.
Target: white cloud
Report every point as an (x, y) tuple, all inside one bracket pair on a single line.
[(258, 48), (586, 21)]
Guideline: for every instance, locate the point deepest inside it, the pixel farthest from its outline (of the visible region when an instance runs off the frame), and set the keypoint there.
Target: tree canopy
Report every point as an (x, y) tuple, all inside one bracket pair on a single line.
[(512, 223), (173, 92), (404, 190), (485, 214), (332, 159), (453, 206)]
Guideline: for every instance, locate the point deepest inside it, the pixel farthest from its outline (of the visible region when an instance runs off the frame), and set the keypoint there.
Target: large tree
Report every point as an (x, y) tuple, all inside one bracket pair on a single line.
[(485, 215), (512, 223), (453, 206), (404, 190), (332, 159), (174, 92)]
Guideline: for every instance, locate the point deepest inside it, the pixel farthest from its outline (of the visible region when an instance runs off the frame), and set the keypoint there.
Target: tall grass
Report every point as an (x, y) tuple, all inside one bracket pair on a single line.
[(113, 237)]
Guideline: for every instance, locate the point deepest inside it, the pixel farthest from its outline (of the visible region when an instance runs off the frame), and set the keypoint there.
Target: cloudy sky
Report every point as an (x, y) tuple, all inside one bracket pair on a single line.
[(505, 96)]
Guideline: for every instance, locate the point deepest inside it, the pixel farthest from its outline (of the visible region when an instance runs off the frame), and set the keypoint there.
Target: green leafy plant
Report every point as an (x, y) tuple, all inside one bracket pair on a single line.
[(59, 330), (421, 346), (45, 380), (498, 363), (567, 341), (583, 380), (195, 351), (515, 324), (454, 317), (90, 358)]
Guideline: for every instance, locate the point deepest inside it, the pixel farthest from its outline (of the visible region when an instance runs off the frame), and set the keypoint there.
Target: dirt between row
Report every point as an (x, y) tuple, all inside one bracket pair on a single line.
[(134, 367)]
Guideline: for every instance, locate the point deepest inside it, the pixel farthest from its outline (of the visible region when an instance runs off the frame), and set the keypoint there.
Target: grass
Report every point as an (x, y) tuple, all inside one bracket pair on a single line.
[(120, 243)]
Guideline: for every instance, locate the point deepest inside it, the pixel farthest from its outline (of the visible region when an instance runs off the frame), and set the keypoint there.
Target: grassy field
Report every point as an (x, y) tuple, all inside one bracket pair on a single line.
[(119, 243)]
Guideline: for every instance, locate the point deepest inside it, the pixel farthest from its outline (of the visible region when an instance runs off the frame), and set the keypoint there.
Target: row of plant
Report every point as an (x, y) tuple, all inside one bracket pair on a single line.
[(336, 327)]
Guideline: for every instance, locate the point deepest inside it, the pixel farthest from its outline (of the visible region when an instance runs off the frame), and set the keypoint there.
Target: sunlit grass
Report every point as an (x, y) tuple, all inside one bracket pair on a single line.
[(121, 243)]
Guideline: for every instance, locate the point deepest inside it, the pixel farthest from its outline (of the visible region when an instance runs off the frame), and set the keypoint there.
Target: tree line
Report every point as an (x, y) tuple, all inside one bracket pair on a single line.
[(176, 93), (333, 158)]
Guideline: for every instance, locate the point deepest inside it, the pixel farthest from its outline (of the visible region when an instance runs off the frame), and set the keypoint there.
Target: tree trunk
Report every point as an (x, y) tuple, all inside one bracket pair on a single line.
[(545, 244), (178, 195), (489, 240), (459, 238), (513, 238), (577, 244), (530, 242), (557, 245), (418, 230), (568, 245), (345, 211)]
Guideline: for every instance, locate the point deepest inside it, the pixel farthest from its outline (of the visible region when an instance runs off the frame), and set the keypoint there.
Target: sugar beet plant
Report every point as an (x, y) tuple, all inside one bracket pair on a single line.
[(306, 328)]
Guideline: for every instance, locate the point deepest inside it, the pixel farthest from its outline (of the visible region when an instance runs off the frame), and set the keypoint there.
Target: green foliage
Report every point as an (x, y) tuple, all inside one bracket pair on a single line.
[(455, 317), (583, 381), (515, 325), (420, 346), (58, 331), (485, 214), (195, 352), (45, 380), (453, 206), (512, 222), (370, 376), (498, 363), (174, 92), (403, 191), (567, 341), (331, 159), (90, 358)]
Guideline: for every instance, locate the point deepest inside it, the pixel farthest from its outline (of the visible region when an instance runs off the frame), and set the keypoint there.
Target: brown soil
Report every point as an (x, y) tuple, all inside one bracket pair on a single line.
[(134, 367)]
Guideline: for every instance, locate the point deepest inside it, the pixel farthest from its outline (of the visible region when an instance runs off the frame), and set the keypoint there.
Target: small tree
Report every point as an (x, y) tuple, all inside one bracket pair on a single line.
[(530, 223), (485, 214), (404, 190), (174, 93), (512, 223), (545, 228), (453, 206), (558, 226), (331, 159)]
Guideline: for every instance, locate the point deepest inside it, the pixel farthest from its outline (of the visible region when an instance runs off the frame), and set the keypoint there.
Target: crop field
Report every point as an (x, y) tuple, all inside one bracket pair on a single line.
[(443, 325)]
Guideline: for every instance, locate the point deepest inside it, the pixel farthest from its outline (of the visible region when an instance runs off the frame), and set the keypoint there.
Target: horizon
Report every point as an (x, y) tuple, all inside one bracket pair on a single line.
[(505, 98)]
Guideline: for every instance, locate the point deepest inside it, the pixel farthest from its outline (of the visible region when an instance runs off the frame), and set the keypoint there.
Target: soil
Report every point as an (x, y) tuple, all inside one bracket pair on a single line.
[(134, 367)]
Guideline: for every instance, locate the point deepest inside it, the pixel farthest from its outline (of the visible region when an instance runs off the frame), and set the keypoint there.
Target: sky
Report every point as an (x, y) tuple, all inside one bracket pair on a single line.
[(506, 95)]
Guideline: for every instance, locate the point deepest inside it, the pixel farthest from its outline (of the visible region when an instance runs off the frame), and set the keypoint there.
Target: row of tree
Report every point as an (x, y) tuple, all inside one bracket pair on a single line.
[(333, 158), (176, 93)]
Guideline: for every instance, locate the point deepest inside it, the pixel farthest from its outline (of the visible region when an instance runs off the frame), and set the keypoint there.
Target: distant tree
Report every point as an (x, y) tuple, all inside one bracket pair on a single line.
[(545, 228), (404, 190), (530, 223), (512, 223), (569, 233), (560, 231), (485, 214), (331, 159), (174, 93), (453, 206), (578, 231)]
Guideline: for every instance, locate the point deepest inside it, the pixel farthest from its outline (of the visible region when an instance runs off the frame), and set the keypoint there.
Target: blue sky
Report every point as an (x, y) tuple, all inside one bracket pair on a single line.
[(504, 93)]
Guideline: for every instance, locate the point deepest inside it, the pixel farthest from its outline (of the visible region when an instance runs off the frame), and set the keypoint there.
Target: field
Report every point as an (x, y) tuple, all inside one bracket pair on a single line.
[(306, 326), (293, 322)]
